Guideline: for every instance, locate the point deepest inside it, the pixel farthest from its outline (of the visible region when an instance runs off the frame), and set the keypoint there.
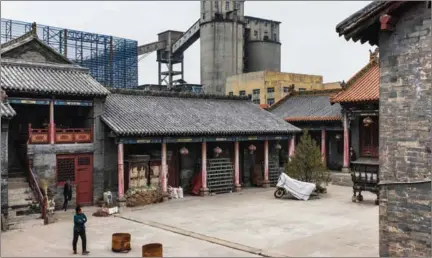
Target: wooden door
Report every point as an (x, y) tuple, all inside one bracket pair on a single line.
[(84, 178)]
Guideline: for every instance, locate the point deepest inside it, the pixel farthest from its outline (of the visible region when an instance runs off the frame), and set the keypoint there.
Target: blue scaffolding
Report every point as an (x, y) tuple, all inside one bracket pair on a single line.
[(111, 61)]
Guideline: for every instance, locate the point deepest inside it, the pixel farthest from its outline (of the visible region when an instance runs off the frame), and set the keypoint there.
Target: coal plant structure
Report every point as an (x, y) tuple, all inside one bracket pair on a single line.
[(231, 43)]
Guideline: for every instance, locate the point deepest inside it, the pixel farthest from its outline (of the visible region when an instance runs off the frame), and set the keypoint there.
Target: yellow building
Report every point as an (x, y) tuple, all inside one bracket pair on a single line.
[(267, 87)]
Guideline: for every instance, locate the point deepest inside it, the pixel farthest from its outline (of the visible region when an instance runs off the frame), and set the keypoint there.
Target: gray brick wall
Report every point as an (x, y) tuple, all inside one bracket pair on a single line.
[(4, 165), (405, 135), (99, 151)]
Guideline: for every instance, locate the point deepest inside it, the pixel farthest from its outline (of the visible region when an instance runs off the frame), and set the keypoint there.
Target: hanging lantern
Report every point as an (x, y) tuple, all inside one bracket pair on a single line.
[(367, 121), (278, 146), (184, 151), (217, 150), (338, 137), (252, 148)]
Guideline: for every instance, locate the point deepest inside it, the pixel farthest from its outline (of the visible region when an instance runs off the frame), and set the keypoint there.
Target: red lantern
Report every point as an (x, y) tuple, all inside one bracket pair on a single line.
[(184, 151), (367, 121), (217, 150)]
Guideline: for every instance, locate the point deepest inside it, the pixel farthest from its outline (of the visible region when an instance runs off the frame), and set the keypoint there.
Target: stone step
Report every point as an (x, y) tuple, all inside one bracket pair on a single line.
[(19, 190), (14, 198), (21, 222), (15, 174), (18, 186), (19, 203), (17, 179)]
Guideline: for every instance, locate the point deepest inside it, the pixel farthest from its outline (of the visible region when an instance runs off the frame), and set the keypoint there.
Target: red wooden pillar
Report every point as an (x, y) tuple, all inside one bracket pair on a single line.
[(204, 189), (120, 170), (292, 146), (323, 146), (236, 167), (346, 162), (164, 172), (51, 126), (266, 164)]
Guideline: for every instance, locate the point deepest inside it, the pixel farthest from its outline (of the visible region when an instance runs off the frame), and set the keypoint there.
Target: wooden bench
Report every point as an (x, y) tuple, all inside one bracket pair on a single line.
[(365, 177)]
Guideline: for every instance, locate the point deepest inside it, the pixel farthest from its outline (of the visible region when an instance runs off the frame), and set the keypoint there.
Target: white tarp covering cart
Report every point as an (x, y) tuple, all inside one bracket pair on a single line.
[(298, 189)]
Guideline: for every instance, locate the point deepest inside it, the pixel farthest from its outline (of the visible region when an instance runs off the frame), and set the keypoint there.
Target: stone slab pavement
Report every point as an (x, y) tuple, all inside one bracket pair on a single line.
[(222, 225), (329, 226), (55, 240)]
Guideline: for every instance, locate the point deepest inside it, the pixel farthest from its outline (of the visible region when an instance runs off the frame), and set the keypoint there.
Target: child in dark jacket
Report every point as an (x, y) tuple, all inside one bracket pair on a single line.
[(79, 231)]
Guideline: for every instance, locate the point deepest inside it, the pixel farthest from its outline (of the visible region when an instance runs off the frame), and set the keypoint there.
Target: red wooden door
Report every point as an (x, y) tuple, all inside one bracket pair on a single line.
[(84, 179)]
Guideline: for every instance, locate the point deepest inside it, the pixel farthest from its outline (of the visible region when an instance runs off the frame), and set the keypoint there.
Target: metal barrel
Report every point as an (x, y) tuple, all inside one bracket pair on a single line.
[(121, 242), (152, 250)]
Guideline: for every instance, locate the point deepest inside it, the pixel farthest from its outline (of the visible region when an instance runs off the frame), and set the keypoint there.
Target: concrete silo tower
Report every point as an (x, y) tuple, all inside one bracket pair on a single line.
[(222, 42)]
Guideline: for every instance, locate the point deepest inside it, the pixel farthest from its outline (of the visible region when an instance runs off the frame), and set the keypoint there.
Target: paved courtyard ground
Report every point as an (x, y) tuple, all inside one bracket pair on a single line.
[(252, 221)]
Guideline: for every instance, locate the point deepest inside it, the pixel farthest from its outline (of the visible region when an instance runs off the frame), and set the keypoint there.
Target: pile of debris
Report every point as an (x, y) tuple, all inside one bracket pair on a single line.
[(143, 196)]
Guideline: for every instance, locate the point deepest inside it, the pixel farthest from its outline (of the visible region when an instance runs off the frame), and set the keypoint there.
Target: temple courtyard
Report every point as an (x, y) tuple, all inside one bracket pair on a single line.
[(250, 223)]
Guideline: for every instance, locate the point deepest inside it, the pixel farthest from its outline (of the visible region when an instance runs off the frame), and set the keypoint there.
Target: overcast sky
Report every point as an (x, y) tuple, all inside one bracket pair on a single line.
[(310, 43)]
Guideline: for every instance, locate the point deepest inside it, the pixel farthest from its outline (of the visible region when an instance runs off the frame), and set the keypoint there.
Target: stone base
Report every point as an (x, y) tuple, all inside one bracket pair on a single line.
[(204, 192), (121, 204), (49, 219), (237, 188), (346, 170), (266, 184), (4, 223), (341, 179)]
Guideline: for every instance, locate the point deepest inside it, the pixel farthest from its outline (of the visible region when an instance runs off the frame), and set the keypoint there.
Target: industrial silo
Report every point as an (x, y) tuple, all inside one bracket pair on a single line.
[(221, 37), (263, 48)]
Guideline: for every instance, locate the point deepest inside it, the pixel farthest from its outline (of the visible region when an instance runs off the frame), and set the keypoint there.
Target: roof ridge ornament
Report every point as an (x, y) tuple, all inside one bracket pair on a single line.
[(34, 27), (374, 56)]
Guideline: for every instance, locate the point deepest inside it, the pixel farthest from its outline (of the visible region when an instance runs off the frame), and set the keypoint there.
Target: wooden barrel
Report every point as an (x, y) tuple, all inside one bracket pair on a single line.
[(121, 242), (152, 250)]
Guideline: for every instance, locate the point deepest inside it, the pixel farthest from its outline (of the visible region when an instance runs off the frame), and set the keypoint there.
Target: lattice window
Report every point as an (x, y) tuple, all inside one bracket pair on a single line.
[(65, 169)]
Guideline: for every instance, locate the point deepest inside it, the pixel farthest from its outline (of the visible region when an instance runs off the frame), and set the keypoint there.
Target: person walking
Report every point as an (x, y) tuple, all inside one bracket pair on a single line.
[(67, 194), (79, 231)]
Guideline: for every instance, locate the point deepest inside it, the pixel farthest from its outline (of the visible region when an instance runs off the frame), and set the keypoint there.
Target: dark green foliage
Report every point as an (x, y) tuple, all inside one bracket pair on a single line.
[(306, 164)]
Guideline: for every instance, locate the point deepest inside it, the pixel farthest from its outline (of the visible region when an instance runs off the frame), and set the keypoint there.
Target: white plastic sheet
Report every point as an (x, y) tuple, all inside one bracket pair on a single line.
[(300, 190)]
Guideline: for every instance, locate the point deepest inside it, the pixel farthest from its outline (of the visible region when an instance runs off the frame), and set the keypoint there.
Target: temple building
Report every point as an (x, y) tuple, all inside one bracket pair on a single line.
[(312, 111), (59, 124)]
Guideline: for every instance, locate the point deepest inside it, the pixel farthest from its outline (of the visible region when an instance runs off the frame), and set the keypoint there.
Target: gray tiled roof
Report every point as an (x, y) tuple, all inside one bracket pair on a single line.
[(58, 79), (6, 110), (175, 115), (307, 108)]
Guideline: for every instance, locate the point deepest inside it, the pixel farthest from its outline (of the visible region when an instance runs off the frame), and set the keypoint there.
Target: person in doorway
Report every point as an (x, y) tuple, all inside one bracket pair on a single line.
[(67, 194), (79, 231)]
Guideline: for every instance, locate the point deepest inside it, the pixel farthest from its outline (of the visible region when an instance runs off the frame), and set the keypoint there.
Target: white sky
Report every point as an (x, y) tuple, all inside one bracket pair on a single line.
[(310, 43)]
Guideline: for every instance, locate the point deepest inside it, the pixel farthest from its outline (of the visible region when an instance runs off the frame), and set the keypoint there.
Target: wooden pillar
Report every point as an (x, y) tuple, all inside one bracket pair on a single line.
[(164, 172), (266, 164), (323, 146), (292, 146), (346, 158), (120, 170), (289, 150), (237, 167), (204, 189), (51, 126)]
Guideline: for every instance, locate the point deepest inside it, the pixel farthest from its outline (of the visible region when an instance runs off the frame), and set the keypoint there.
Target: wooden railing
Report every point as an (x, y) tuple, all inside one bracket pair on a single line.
[(34, 185), (70, 135), (33, 182)]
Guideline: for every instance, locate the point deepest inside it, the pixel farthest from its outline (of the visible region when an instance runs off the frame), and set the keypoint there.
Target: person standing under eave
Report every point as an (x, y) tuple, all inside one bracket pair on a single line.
[(79, 231), (67, 194)]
